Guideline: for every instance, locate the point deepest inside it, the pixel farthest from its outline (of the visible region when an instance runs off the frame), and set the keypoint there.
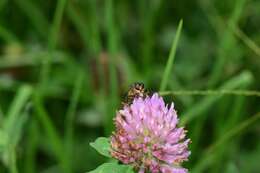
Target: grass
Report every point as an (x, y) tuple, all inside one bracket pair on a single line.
[(51, 132), (202, 106), (70, 118), (112, 47), (12, 126), (169, 64), (52, 41), (226, 43), (36, 17), (211, 152), (213, 92), (66, 65)]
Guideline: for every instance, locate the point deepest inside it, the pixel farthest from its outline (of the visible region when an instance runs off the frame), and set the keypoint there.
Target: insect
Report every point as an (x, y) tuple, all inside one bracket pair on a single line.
[(136, 90)]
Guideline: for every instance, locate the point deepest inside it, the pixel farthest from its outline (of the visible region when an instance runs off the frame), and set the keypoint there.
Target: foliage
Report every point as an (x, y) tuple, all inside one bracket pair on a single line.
[(102, 146), (65, 66)]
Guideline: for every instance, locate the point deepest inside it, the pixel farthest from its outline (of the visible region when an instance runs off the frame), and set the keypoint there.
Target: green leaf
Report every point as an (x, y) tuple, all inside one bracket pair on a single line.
[(102, 146), (112, 168)]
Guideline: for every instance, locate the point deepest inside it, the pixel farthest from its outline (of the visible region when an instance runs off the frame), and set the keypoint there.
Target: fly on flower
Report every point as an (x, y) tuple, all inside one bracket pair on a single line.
[(136, 90), (147, 136)]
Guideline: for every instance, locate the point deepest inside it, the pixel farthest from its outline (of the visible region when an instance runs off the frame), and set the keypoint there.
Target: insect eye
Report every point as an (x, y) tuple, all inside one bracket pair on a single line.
[(139, 85)]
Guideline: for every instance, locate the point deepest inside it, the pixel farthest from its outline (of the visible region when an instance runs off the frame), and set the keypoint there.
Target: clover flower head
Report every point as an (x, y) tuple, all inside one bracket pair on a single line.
[(147, 137)]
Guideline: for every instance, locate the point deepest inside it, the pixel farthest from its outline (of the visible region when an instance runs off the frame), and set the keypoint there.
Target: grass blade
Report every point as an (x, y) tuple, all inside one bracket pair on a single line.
[(227, 41), (30, 155), (89, 31), (70, 118), (16, 107), (246, 40), (13, 125), (52, 42), (7, 36), (210, 154), (112, 44), (170, 61), (200, 108), (55, 28), (35, 16), (51, 132)]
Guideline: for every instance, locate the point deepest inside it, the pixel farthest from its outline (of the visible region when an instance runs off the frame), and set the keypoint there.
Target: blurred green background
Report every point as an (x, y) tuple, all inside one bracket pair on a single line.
[(64, 66)]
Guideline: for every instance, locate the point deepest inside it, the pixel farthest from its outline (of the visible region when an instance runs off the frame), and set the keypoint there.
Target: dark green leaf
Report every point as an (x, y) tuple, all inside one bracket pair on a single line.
[(112, 168), (102, 146)]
